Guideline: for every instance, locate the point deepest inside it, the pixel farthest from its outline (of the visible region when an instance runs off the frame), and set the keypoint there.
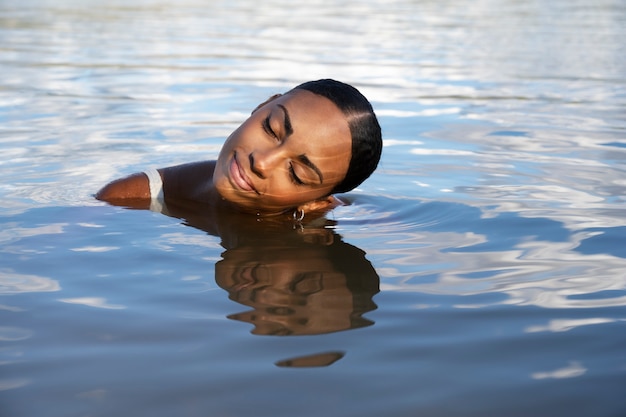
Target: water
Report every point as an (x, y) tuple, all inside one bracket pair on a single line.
[(480, 271)]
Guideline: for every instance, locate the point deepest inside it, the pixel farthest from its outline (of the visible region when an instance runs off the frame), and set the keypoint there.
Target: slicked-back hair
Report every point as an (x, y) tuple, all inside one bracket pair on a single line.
[(364, 129)]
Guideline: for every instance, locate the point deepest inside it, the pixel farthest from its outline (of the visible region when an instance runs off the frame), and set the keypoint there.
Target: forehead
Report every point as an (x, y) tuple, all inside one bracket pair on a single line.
[(308, 108)]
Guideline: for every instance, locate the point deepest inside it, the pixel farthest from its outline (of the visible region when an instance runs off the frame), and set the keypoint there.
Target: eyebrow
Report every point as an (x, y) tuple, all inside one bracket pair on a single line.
[(303, 159), (306, 161), (287, 121)]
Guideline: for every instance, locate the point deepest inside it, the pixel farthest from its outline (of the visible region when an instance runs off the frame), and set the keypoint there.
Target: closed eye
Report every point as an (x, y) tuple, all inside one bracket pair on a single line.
[(294, 178), (267, 127)]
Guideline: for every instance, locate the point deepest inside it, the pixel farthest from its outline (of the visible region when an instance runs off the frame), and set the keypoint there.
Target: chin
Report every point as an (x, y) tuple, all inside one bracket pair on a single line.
[(257, 208), (244, 203)]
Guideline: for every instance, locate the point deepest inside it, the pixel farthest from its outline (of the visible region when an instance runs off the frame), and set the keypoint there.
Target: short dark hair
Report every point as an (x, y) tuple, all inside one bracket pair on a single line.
[(366, 134)]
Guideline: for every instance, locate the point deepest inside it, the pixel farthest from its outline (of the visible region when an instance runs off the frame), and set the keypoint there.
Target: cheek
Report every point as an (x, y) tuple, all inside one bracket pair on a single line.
[(242, 133), (281, 197), (219, 178)]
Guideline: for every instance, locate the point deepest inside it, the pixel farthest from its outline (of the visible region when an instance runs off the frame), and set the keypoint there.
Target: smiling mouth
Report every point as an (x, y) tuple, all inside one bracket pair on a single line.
[(239, 177)]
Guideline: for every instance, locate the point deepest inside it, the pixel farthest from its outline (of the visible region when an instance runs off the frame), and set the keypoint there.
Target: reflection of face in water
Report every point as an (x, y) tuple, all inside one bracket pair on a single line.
[(297, 288)]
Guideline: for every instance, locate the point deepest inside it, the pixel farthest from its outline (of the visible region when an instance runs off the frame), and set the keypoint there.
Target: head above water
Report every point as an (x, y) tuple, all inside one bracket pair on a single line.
[(364, 129), (296, 149)]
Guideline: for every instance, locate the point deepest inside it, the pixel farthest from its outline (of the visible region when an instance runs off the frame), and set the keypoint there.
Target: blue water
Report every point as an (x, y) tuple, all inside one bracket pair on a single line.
[(480, 271)]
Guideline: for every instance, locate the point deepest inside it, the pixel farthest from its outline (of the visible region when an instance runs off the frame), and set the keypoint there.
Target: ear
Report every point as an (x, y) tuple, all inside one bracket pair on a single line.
[(274, 97), (321, 205)]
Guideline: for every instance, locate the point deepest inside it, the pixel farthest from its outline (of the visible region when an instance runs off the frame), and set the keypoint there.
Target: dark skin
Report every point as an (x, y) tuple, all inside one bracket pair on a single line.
[(187, 186), (290, 154), (182, 182)]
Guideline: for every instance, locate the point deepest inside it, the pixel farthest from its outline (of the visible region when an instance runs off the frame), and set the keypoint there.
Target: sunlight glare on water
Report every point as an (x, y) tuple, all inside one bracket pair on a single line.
[(480, 271)]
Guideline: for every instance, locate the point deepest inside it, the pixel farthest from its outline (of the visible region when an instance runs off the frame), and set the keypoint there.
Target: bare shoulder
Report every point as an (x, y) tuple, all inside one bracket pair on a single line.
[(133, 187), (190, 181)]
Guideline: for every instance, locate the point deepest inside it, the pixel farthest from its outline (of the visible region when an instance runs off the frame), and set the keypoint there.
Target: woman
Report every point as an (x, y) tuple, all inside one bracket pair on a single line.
[(290, 155)]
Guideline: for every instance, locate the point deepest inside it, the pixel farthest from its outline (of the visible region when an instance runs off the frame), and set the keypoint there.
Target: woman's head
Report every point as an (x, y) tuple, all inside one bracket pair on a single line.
[(364, 129), (296, 149)]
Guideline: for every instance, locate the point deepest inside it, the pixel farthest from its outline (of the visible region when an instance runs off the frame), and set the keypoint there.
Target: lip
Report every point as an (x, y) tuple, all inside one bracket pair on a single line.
[(239, 177)]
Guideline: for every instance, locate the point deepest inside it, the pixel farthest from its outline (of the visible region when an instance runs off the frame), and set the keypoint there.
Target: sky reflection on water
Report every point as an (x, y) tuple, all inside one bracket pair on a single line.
[(494, 225)]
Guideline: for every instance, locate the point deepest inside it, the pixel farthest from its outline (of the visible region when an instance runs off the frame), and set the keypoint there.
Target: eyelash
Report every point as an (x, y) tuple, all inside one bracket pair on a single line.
[(292, 173), (294, 178), (268, 128)]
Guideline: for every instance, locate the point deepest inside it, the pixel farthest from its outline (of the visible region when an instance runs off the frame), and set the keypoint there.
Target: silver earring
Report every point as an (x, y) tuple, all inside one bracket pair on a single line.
[(298, 216)]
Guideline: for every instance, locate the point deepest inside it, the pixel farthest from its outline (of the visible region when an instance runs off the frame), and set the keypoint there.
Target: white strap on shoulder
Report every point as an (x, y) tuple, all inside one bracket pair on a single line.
[(156, 189), (156, 183)]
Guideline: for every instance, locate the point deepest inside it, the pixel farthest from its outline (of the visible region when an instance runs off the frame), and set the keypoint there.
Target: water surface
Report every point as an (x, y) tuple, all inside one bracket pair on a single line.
[(480, 271)]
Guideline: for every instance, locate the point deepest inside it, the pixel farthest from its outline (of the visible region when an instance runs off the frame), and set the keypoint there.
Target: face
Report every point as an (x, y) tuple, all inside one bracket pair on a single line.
[(294, 149), (292, 290)]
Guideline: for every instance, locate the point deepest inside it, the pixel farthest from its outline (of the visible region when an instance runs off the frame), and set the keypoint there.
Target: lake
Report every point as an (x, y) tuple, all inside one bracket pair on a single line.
[(481, 271)]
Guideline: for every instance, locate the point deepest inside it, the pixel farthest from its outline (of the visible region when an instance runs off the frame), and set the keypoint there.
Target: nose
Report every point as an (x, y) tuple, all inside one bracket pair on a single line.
[(262, 163)]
